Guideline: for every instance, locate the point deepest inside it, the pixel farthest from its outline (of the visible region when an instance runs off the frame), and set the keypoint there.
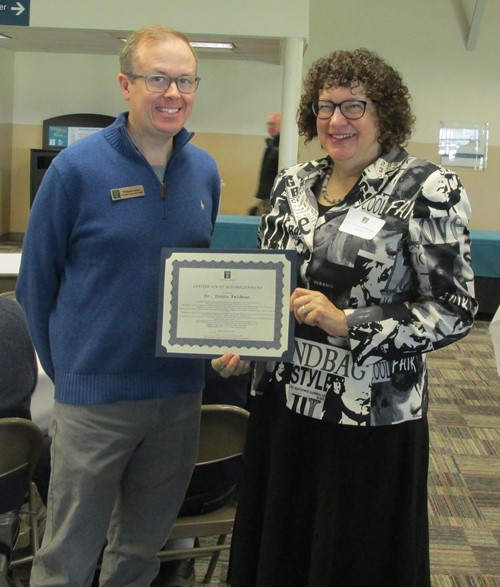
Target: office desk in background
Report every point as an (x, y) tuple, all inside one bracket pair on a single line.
[(235, 232), (9, 270), (485, 250)]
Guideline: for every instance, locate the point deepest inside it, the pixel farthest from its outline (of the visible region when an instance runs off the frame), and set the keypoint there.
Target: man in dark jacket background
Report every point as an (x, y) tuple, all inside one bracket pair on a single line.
[(269, 167)]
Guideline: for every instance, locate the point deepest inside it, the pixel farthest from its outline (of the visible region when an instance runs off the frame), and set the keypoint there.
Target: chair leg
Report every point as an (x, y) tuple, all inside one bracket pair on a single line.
[(35, 539), (4, 570), (214, 560)]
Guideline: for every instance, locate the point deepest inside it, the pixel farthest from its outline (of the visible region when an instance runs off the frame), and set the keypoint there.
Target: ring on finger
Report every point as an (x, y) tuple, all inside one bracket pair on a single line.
[(304, 310)]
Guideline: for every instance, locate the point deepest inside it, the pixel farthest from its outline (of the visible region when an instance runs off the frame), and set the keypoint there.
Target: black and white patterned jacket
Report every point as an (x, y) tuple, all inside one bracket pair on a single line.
[(406, 286)]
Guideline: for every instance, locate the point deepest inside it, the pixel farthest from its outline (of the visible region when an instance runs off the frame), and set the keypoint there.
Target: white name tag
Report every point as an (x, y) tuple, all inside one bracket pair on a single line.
[(362, 224)]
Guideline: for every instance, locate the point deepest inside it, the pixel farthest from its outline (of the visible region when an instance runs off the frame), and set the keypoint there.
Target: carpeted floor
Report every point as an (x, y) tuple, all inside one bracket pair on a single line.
[(464, 482)]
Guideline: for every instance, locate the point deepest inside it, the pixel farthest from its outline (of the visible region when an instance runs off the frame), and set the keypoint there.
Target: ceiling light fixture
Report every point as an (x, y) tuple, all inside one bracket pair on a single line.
[(4, 36), (204, 44), (211, 45)]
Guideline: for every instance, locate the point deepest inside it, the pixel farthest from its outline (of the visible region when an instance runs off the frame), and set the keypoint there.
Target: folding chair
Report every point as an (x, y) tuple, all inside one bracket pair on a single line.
[(21, 441), (222, 437)]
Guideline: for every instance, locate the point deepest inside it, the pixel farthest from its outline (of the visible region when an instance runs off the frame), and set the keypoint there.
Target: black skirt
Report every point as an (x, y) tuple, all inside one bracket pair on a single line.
[(329, 505)]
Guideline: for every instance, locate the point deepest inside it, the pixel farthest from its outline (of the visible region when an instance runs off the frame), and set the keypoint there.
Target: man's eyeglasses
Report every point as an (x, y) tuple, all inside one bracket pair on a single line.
[(351, 109), (186, 84)]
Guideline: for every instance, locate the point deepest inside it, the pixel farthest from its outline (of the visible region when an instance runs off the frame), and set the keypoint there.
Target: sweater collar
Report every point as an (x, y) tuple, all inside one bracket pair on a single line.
[(117, 136)]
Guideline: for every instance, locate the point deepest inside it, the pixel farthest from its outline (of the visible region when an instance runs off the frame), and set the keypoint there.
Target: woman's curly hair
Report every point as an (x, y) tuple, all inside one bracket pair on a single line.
[(382, 84)]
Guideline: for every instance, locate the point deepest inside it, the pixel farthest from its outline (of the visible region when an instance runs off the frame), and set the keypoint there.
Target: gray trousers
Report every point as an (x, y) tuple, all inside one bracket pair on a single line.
[(119, 475)]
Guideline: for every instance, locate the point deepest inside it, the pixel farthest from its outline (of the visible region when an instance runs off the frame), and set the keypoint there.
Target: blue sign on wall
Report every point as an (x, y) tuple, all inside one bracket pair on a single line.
[(15, 12)]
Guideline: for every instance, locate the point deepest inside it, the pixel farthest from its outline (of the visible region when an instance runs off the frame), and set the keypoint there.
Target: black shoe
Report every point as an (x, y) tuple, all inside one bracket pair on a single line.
[(178, 573)]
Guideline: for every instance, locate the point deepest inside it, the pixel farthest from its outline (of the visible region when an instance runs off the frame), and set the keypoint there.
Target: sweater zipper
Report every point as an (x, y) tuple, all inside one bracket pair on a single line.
[(163, 196), (163, 187)]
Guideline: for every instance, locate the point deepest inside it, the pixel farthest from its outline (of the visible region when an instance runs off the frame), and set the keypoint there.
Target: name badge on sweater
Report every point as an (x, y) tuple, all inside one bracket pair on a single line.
[(132, 191)]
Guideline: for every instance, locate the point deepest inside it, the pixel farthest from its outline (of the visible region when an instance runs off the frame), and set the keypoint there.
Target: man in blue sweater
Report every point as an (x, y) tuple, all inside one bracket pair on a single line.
[(125, 422)]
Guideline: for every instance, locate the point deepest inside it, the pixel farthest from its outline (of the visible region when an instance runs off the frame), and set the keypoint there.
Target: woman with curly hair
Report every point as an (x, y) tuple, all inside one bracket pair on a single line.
[(334, 492)]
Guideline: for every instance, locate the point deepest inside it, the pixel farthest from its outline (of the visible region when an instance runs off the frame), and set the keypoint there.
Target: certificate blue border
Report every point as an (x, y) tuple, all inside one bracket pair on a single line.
[(227, 265)]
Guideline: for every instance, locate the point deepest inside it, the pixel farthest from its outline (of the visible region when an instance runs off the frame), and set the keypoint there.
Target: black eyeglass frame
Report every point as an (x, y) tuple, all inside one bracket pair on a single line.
[(146, 77), (315, 108)]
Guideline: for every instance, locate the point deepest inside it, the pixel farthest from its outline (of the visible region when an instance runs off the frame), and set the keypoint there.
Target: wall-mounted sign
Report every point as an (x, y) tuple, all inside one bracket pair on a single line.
[(61, 131), (464, 145), (63, 136), (15, 12)]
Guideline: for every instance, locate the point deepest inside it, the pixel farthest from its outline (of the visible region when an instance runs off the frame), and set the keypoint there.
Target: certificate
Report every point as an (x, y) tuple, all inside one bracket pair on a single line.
[(217, 301)]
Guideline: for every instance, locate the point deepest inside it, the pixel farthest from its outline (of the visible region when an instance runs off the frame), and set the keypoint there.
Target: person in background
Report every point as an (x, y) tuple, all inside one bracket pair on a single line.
[(269, 165), (18, 378), (18, 371), (125, 421), (334, 490)]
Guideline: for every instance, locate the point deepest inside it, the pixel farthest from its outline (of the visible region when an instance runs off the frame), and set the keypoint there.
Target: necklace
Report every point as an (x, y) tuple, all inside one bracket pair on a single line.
[(324, 192)]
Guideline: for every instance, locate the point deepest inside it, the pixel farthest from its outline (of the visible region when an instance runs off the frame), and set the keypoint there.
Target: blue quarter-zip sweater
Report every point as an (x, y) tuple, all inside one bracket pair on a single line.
[(89, 277)]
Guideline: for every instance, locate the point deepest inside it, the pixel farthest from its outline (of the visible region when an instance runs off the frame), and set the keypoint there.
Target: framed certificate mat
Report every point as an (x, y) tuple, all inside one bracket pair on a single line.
[(218, 301)]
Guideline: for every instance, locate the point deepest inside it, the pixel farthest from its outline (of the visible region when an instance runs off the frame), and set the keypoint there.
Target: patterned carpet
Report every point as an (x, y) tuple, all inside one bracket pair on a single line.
[(464, 482)]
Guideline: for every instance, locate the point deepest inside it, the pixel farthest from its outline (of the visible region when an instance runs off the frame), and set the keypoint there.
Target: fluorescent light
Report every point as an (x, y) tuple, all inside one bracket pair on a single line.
[(211, 45), (4, 36), (204, 44)]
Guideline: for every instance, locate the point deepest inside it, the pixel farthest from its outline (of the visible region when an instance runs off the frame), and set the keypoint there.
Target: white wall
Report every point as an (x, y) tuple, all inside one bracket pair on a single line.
[(49, 84), (7, 60), (6, 110), (275, 18), (423, 40), (234, 96)]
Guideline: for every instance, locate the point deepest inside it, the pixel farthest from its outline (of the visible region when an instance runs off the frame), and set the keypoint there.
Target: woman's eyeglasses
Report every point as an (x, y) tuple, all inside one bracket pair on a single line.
[(351, 109)]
